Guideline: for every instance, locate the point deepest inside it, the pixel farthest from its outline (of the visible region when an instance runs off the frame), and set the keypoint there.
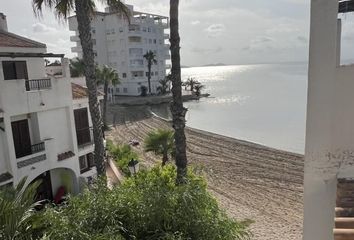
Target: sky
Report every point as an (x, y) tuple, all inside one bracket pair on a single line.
[(222, 31)]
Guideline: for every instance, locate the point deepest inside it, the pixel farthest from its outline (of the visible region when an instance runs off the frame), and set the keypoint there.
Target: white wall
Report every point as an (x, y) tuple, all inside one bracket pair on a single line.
[(330, 115)]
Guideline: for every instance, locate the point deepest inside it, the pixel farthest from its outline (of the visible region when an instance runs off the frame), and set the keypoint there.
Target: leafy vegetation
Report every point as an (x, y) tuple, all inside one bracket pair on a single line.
[(122, 154), (17, 211), (161, 142), (147, 207)]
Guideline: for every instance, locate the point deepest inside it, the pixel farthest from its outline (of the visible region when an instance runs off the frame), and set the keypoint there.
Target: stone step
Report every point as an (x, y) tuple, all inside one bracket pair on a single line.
[(345, 180), (345, 186), (344, 222), (345, 202), (345, 193), (344, 212), (343, 234)]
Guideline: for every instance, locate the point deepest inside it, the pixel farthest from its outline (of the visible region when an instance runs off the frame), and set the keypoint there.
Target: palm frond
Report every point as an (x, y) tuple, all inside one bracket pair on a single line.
[(120, 7)]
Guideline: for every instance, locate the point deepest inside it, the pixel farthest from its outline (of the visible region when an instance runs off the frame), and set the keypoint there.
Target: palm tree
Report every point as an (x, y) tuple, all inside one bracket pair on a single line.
[(84, 10), (191, 82), (151, 59), (77, 67), (17, 211), (177, 109), (164, 84), (198, 88), (106, 76), (161, 142)]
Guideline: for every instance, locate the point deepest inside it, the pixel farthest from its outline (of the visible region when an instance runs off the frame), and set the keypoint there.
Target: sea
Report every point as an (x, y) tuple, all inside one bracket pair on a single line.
[(263, 103)]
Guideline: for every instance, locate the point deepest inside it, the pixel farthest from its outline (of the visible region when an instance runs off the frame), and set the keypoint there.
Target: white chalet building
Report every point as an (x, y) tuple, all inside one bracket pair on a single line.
[(121, 46), (44, 120)]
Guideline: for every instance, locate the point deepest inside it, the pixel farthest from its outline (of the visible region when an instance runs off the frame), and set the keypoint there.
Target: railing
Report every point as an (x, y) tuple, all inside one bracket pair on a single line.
[(30, 150), (136, 56), (84, 137), (38, 84), (39, 147)]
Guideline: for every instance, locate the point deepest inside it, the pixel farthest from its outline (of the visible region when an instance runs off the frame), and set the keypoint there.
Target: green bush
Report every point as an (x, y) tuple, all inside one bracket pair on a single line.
[(154, 207), (122, 154), (149, 206)]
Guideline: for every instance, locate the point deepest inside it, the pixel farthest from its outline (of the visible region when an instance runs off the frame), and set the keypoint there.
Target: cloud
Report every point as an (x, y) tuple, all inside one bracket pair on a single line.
[(195, 22), (203, 51), (215, 30), (42, 28)]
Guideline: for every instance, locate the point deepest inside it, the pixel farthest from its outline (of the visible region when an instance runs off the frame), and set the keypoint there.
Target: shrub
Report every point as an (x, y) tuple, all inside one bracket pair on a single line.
[(147, 207), (154, 207), (122, 154)]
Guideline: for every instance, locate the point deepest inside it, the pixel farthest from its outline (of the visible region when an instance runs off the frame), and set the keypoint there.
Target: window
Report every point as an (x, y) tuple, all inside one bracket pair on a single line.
[(149, 29), (147, 74), (95, 53), (160, 41), (83, 132), (152, 73), (154, 41), (93, 30), (124, 75), (120, 29), (91, 160), (117, 90), (21, 138), (125, 90), (14, 70), (156, 73), (108, 32), (86, 162), (83, 164), (144, 30)]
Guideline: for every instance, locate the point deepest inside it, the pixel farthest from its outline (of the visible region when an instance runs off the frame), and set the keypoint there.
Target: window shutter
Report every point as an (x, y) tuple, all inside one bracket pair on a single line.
[(21, 70)]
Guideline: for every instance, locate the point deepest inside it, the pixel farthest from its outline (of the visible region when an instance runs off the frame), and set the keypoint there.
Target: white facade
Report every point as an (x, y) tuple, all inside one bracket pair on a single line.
[(121, 46), (329, 153), (38, 135)]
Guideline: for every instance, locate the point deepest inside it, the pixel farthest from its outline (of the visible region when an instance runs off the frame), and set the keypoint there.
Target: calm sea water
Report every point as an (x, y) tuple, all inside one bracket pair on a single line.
[(265, 104)]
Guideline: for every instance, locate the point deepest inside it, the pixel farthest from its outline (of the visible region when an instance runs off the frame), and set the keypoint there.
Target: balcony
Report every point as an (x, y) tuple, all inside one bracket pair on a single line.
[(38, 84), (136, 56), (76, 49), (168, 66), (33, 154), (84, 137), (74, 38), (166, 36)]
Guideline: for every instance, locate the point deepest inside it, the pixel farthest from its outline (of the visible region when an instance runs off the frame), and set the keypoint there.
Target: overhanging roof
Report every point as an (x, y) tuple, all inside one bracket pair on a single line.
[(346, 6), (35, 55)]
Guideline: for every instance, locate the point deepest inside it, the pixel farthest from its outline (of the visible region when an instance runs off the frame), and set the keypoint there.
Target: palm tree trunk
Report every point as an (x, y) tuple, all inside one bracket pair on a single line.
[(177, 109), (149, 76), (83, 19), (104, 114), (164, 159)]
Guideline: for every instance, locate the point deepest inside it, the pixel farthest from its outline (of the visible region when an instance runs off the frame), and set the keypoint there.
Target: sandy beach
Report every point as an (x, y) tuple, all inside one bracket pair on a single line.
[(249, 180)]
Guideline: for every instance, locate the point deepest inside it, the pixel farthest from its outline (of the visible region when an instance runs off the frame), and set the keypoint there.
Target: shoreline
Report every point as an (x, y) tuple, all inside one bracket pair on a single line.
[(251, 181)]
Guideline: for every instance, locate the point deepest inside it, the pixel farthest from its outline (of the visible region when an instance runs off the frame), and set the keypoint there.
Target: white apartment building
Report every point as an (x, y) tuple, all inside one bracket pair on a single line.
[(121, 45), (44, 120), (329, 154)]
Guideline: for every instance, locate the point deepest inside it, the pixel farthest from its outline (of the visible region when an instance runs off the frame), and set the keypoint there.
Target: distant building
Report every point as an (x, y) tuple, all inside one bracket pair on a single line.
[(329, 154), (45, 126), (121, 45)]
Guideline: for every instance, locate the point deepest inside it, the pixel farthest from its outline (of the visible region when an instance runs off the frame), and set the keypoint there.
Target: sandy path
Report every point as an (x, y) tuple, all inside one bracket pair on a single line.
[(250, 180)]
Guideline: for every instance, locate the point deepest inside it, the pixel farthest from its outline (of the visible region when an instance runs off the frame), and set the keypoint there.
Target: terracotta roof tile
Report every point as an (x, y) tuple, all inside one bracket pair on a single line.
[(12, 40), (80, 91)]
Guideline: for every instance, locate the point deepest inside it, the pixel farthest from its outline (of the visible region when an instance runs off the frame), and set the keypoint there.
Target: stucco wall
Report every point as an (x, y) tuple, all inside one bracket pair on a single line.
[(329, 150)]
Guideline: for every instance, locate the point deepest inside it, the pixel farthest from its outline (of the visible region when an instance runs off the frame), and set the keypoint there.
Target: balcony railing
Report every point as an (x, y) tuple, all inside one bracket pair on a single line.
[(30, 150), (84, 137), (38, 84), (39, 147)]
